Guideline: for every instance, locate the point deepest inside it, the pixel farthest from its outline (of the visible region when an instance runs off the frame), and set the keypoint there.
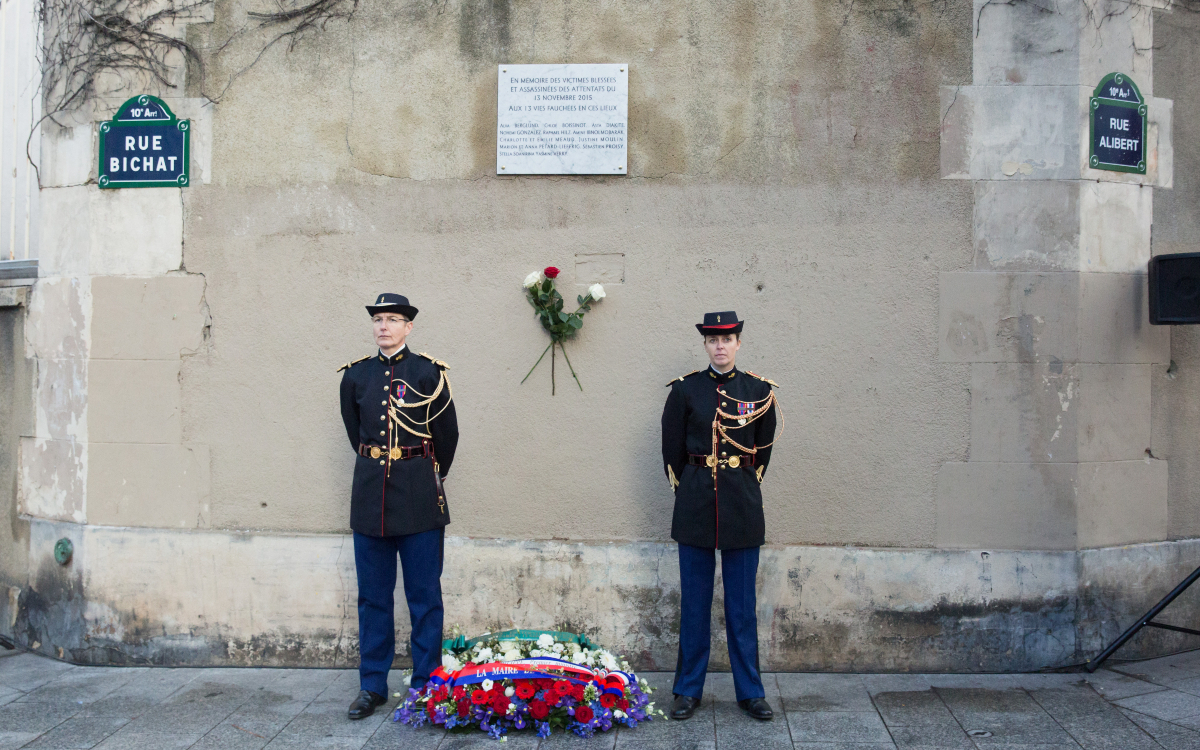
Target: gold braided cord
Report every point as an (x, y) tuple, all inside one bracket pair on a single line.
[(398, 418), (722, 430)]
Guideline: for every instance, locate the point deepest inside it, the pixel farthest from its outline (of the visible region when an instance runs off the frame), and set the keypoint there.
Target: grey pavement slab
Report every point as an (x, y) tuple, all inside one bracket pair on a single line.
[(823, 692), (1145, 706), (1165, 704)]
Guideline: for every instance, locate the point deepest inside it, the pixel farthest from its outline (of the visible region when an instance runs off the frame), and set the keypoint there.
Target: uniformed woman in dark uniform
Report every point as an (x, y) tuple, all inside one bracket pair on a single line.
[(399, 417), (717, 430)]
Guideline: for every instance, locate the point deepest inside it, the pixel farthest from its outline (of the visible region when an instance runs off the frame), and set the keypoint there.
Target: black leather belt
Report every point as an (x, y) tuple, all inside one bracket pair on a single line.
[(396, 454), (736, 460)]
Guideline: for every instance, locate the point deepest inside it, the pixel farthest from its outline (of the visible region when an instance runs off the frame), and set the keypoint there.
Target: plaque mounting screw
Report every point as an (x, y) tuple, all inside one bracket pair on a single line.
[(502, 167)]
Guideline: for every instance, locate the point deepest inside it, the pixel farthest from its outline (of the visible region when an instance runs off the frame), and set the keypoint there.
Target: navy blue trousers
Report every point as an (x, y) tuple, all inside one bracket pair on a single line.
[(375, 563), (697, 571)]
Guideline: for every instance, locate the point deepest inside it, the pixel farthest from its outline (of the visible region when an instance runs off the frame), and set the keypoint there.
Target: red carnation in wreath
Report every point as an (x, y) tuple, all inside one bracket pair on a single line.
[(583, 714), (539, 710)]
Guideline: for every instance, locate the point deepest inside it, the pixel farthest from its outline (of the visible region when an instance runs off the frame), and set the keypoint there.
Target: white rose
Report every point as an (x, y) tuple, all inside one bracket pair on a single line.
[(533, 279), (618, 713), (508, 645), (559, 648), (510, 691), (512, 655), (485, 655), (486, 685), (545, 640), (595, 291), (578, 658), (450, 664), (535, 653)]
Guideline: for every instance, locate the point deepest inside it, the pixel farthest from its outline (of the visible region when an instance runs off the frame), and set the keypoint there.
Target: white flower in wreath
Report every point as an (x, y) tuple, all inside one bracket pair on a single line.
[(507, 646), (595, 291), (535, 653), (485, 654), (545, 640), (608, 661), (578, 658), (618, 713), (450, 664), (510, 691), (486, 685), (511, 655), (559, 648), (575, 649), (533, 279)]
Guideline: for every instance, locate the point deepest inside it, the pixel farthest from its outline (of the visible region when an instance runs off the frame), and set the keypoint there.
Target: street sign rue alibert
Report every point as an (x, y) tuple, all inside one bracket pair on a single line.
[(1118, 126)]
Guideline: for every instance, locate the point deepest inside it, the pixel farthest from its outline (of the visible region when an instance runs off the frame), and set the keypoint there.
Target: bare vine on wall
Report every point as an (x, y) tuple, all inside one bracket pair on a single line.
[(87, 41)]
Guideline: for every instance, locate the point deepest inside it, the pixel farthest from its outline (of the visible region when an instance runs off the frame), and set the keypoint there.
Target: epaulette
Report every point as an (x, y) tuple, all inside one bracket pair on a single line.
[(355, 362), (437, 362), (681, 377), (765, 380)]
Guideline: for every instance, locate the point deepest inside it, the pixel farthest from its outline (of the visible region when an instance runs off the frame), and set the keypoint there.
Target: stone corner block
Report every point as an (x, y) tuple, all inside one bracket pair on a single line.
[(1006, 506), (134, 401), (1122, 502), (51, 480), (159, 317), (156, 485)]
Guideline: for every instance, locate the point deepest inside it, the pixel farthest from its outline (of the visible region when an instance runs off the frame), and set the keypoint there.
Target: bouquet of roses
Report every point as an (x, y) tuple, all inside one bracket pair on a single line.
[(548, 305), (529, 680)]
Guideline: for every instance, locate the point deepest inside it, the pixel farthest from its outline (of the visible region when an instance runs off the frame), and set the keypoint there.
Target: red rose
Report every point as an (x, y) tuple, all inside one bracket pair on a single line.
[(623, 704), (583, 714), (577, 692), (608, 700), (479, 696), (525, 690), (539, 710), (551, 272), (500, 704), (463, 707), (460, 692)]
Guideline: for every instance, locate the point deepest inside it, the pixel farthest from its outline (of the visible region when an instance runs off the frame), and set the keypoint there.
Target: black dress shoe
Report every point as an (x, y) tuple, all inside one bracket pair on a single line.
[(683, 707), (365, 704), (758, 708)]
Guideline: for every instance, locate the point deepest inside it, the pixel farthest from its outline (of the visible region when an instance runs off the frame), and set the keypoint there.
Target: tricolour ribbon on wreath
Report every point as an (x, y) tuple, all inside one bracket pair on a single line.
[(544, 668)]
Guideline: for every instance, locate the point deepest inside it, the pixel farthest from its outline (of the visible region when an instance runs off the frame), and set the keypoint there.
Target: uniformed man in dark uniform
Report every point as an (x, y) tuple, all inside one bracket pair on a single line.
[(399, 415), (717, 430)]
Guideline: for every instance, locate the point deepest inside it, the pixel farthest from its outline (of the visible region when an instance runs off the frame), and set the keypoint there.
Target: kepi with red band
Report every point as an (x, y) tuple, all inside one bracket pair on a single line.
[(718, 323)]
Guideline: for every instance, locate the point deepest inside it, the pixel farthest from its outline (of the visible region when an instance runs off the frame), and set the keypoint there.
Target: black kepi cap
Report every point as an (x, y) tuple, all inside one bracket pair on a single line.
[(718, 323), (396, 303)]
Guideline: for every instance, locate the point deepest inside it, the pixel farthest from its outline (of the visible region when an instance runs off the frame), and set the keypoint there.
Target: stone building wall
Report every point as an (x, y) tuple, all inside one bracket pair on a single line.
[(893, 195)]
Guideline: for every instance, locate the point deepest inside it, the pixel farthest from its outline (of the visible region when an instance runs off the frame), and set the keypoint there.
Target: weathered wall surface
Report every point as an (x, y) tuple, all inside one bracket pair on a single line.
[(895, 197), (16, 414), (1177, 230), (783, 163)]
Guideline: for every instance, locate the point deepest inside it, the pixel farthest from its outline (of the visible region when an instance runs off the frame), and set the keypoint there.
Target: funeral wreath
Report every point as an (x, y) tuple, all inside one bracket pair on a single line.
[(529, 679), (548, 305)]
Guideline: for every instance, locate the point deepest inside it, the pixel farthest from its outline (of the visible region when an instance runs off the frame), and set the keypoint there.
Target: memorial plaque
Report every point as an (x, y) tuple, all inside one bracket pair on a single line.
[(562, 119), (1118, 130), (144, 146)]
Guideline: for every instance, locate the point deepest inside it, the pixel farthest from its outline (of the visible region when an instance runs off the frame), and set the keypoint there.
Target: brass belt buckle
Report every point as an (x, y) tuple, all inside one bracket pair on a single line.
[(735, 461), (376, 451), (396, 454), (710, 461)]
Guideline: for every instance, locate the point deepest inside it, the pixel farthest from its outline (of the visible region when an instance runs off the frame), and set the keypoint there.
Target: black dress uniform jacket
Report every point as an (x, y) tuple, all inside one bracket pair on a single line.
[(725, 513), (397, 497)]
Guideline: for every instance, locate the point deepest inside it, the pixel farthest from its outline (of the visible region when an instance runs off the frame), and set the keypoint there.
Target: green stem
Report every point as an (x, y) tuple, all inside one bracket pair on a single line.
[(552, 350), (535, 364), (564, 348)]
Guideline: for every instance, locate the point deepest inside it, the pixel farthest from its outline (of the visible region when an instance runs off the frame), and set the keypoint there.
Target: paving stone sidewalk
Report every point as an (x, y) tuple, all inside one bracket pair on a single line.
[(1151, 704)]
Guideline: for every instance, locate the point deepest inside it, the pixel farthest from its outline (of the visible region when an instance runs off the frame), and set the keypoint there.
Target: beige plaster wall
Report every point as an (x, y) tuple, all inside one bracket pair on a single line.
[(1176, 389), (784, 162)]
